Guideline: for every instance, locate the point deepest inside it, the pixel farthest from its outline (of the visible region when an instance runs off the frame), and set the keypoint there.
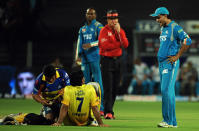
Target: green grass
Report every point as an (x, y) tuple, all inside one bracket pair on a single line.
[(130, 116)]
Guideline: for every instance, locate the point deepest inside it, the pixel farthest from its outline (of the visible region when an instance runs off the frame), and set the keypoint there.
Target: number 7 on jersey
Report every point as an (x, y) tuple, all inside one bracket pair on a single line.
[(80, 104)]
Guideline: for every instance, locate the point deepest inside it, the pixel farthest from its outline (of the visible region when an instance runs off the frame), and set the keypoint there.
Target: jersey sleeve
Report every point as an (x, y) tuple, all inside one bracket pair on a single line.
[(98, 29), (38, 86), (182, 35), (66, 97), (65, 78), (94, 99)]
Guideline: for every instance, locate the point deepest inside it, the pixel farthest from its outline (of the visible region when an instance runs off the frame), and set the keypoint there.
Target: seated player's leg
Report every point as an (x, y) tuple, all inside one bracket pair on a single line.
[(92, 120)]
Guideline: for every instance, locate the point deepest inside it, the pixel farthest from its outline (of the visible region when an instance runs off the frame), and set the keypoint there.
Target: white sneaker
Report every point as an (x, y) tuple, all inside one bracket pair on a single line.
[(94, 123), (164, 125)]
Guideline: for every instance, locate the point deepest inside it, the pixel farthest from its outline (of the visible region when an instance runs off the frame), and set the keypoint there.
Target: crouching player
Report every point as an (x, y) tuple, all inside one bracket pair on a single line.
[(48, 90), (79, 100)]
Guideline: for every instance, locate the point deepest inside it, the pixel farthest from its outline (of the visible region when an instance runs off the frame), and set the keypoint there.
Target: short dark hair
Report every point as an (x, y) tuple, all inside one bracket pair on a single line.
[(49, 71), (92, 8), (76, 76)]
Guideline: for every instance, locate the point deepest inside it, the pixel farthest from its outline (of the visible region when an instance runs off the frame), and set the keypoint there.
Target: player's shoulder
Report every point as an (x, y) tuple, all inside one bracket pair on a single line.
[(62, 72), (83, 27), (98, 24), (176, 26), (68, 89), (104, 29)]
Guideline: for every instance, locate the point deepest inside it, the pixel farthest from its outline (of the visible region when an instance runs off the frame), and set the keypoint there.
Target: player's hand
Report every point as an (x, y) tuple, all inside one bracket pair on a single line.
[(172, 59), (46, 103), (117, 27), (104, 125), (86, 46), (56, 124), (78, 61)]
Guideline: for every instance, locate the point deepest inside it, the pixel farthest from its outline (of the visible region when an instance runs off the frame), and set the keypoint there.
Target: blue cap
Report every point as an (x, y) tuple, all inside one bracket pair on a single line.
[(160, 10)]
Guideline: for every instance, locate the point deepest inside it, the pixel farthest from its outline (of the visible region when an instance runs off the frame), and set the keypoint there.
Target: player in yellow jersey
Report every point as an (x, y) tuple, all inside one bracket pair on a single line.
[(79, 101)]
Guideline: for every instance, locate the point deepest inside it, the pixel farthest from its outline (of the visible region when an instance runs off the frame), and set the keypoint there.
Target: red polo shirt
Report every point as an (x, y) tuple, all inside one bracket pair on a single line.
[(110, 42)]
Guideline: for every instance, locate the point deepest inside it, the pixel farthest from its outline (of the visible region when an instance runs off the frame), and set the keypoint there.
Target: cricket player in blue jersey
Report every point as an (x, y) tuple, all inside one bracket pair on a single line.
[(48, 90), (173, 43), (87, 51)]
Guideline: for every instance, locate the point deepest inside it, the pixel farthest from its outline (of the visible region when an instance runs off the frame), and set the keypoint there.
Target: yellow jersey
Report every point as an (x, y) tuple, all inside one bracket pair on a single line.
[(80, 99)]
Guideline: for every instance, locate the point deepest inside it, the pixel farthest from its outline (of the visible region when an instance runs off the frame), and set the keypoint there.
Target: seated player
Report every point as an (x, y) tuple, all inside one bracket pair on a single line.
[(48, 90), (79, 100)]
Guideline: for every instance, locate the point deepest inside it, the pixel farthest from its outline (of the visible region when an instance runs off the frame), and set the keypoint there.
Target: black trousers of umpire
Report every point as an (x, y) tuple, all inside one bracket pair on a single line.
[(110, 68)]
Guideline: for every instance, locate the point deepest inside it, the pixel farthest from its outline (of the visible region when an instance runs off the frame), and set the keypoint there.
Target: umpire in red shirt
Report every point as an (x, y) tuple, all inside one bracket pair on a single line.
[(112, 39)]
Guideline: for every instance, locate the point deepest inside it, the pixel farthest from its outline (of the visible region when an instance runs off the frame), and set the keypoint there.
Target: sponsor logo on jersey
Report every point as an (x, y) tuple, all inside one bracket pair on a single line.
[(109, 34), (83, 30), (163, 37), (103, 40), (87, 36), (80, 93), (165, 71)]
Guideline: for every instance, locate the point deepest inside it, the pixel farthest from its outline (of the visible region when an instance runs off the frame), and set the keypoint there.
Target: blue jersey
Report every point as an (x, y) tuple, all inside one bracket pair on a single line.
[(171, 37), (89, 34), (48, 90)]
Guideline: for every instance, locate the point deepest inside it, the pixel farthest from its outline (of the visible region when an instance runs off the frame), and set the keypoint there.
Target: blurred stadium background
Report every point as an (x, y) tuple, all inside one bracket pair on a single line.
[(36, 32)]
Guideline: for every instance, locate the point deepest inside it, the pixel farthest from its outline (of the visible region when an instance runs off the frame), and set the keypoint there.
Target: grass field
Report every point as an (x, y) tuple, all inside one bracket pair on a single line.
[(130, 116)]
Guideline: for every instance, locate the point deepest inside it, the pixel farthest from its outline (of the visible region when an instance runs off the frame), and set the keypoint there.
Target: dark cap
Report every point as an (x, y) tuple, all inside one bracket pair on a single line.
[(112, 14)]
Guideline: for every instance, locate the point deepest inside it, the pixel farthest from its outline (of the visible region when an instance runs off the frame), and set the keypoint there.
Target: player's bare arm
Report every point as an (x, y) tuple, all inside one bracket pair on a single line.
[(98, 117), (172, 59), (86, 46), (62, 115)]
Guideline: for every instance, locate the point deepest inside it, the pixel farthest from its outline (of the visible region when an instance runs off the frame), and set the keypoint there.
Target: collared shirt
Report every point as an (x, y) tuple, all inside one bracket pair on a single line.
[(170, 40), (51, 90), (111, 42), (89, 34)]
